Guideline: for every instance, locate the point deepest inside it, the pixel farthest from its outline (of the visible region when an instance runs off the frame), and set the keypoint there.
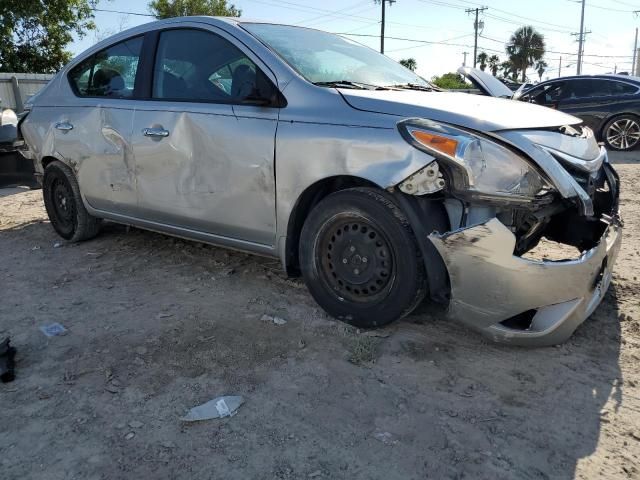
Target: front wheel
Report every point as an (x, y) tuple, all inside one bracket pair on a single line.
[(64, 206), (622, 133), (360, 259)]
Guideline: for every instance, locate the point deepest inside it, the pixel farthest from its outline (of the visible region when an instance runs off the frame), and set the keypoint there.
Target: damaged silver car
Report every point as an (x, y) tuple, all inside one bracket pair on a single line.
[(356, 173)]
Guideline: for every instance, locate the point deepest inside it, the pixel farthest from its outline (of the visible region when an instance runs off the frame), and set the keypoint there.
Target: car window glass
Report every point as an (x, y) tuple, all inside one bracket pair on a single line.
[(620, 88), (587, 88), (325, 57), (198, 66), (548, 94), (110, 72)]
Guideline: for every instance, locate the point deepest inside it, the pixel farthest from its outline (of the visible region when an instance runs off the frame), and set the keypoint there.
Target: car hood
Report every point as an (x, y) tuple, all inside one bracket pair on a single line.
[(487, 84), (477, 112)]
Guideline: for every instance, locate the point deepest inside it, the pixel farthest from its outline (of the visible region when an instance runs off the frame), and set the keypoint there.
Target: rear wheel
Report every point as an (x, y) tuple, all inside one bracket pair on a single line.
[(360, 259), (64, 206), (622, 133)]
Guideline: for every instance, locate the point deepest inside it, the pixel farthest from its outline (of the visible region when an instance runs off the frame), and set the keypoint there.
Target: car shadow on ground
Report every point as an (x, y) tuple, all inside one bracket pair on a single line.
[(451, 403)]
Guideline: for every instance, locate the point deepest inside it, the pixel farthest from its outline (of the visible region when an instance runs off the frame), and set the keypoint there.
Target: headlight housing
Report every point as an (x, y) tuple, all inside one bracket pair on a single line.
[(477, 166)]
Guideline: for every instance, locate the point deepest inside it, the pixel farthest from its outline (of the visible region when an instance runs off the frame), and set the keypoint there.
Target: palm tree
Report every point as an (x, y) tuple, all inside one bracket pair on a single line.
[(541, 67), (409, 63), (525, 47), (508, 70), (482, 60), (494, 64)]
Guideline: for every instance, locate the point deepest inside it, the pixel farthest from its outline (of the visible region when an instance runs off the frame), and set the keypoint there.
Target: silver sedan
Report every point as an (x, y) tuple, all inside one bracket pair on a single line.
[(374, 185)]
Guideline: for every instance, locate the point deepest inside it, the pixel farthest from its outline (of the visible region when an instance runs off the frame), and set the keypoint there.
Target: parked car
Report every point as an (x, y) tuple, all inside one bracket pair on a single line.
[(14, 168), (305, 146), (608, 104)]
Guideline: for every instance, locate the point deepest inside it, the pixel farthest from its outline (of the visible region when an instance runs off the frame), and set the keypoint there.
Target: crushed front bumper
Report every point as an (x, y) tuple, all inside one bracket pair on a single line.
[(490, 286)]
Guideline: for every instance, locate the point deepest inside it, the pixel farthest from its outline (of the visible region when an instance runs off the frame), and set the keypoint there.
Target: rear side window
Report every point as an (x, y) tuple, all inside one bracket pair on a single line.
[(110, 72), (620, 88), (598, 88), (198, 66)]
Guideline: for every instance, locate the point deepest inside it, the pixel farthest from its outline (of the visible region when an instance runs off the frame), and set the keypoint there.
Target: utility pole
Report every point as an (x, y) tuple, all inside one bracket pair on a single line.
[(384, 3), (635, 51), (581, 38), (464, 62), (560, 67), (476, 26)]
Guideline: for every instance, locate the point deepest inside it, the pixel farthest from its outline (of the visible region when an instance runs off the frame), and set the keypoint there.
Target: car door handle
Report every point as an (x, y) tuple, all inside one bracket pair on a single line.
[(155, 132), (64, 126)]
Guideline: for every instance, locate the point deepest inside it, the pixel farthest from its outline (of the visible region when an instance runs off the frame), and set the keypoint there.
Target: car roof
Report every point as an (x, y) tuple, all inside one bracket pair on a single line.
[(606, 76)]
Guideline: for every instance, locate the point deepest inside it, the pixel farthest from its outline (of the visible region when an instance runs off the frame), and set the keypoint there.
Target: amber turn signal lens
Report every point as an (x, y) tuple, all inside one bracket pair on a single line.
[(444, 145)]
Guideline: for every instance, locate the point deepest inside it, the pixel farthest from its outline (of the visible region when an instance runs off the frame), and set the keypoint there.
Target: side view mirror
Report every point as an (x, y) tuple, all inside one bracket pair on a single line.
[(271, 98), (257, 100)]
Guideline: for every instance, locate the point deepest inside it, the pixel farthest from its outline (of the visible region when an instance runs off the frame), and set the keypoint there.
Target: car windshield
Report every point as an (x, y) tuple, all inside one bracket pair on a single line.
[(331, 60)]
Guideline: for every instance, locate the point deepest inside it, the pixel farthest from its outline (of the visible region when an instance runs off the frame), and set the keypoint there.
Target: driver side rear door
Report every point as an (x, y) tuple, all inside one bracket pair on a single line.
[(204, 158)]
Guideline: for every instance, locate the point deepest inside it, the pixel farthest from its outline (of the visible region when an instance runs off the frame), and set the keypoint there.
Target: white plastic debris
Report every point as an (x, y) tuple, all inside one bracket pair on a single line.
[(53, 329), (217, 408), (273, 319)]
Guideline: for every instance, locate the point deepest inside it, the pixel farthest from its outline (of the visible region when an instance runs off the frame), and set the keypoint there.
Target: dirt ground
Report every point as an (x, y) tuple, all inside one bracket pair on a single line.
[(157, 325)]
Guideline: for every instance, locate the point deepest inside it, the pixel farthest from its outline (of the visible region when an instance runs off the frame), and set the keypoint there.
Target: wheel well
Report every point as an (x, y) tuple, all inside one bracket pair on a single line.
[(47, 160), (307, 200)]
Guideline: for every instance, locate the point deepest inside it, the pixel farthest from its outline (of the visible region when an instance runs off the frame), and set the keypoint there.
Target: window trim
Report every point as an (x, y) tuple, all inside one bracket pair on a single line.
[(73, 86), (149, 73)]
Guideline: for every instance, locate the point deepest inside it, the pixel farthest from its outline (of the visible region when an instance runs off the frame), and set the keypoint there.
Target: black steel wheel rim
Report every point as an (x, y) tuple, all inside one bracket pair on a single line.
[(623, 134), (356, 260), (63, 203)]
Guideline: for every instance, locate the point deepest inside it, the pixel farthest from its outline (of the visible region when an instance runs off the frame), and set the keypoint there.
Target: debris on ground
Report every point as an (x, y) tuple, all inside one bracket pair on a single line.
[(273, 319), (219, 407), (53, 329), (385, 437), (7, 361)]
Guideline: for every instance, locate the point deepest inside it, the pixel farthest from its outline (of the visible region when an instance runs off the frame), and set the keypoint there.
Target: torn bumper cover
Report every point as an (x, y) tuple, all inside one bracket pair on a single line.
[(490, 286)]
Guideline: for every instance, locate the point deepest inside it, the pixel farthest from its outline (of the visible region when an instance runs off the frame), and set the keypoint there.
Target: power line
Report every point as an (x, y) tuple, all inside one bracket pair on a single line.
[(123, 13)]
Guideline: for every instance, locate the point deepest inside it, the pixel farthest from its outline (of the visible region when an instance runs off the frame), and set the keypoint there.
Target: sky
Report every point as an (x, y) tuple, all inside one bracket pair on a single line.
[(411, 24)]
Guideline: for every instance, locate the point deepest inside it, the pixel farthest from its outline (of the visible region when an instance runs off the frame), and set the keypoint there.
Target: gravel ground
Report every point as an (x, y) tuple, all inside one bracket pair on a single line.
[(157, 325)]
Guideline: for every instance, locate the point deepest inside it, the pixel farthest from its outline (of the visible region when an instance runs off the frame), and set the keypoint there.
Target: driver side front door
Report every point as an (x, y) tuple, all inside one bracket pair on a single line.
[(202, 165)]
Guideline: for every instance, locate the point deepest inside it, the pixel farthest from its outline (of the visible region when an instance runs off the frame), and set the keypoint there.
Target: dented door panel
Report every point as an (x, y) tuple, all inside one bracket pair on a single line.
[(95, 142), (205, 175)]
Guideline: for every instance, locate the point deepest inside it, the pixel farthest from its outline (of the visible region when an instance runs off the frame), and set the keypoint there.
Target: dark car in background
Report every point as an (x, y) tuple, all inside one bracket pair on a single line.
[(608, 104)]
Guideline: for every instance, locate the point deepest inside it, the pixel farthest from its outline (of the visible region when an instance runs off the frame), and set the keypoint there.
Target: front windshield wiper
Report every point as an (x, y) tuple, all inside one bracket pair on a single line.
[(349, 84), (414, 86)]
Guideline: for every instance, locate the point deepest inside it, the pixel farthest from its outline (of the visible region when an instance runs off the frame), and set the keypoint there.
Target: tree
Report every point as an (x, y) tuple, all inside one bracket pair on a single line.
[(541, 67), (508, 70), (34, 34), (182, 8), (482, 60), (451, 81), (409, 63), (494, 64), (525, 47)]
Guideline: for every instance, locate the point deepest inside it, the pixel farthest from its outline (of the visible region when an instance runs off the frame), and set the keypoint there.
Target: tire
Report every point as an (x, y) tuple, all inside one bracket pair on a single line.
[(360, 259), (64, 206), (622, 133)]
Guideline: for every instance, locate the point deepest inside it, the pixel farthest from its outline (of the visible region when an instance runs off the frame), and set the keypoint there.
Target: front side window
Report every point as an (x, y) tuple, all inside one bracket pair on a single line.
[(546, 95), (198, 66), (322, 57), (110, 72)]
